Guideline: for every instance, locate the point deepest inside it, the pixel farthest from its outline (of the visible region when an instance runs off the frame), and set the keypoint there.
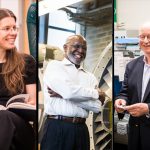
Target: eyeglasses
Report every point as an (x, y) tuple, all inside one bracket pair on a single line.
[(142, 37), (10, 29), (77, 46)]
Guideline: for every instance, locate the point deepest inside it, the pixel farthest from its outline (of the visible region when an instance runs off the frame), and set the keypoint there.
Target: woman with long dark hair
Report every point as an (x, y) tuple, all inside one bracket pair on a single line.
[(17, 76)]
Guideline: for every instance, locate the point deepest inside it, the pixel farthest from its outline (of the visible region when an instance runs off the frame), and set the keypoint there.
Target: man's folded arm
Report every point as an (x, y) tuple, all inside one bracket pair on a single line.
[(90, 105), (61, 84), (71, 91)]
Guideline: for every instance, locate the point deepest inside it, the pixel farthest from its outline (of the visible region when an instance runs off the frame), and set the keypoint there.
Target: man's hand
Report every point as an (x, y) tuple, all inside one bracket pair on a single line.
[(53, 93), (137, 109), (119, 105), (102, 95)]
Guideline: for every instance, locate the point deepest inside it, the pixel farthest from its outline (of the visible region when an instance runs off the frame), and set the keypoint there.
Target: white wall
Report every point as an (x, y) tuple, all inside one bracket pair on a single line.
[(133, 13), (10, 4)]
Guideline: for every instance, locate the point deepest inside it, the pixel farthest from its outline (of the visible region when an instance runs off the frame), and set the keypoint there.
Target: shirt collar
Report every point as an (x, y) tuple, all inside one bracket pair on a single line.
[(66, 62), (144, 59)]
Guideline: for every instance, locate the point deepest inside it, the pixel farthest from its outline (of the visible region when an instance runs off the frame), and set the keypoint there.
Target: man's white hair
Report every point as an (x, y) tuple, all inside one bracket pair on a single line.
[(144, 25)]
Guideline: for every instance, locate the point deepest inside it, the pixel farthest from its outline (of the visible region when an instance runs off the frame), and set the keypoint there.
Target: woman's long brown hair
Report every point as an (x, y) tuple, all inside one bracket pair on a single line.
[(13, 68)]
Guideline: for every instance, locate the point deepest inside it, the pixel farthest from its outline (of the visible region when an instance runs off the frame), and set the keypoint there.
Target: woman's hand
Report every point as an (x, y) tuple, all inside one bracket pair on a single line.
[(31, 90), (31, 102)]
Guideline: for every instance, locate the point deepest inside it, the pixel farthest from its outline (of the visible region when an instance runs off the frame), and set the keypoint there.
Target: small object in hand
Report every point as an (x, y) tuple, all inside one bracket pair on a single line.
[(121, 106), (121, 115)]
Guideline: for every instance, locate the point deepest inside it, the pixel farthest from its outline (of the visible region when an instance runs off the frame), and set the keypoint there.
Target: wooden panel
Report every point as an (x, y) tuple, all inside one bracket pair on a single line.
[(25, 32)]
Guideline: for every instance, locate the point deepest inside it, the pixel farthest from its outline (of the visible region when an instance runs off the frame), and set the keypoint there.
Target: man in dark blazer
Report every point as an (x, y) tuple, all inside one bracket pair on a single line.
[(134, 96)]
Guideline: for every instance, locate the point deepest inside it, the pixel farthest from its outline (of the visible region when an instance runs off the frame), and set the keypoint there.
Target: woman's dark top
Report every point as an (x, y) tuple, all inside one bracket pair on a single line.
[(29, 78)]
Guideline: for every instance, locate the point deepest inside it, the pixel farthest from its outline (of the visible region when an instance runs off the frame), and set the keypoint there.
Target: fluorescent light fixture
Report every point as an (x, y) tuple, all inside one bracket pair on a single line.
[(47, 6)]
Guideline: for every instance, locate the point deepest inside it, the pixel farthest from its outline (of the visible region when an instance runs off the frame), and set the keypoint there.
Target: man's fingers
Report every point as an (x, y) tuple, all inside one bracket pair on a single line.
[(53, 93), (56, 95), (50, 91), (48, 88), (102, 95), (128, 108), (131, 107)]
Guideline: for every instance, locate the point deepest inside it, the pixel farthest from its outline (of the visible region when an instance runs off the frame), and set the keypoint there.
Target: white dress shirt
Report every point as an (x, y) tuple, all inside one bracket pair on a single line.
[(146, 77), (76, 86)]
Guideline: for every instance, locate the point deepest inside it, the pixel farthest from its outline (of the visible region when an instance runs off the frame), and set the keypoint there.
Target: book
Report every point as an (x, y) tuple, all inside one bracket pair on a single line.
[(18, 104)]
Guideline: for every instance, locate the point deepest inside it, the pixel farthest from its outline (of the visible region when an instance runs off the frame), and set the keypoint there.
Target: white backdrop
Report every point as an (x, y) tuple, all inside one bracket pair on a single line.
[(133, 13)]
